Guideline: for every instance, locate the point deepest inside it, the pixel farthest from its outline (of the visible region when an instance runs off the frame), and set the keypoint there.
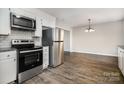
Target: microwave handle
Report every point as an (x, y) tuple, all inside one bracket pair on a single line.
[(33, 23)]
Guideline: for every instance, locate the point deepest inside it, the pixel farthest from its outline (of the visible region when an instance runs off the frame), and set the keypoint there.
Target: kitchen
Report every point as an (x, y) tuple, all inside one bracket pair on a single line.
[(33, 49), (21, 43)]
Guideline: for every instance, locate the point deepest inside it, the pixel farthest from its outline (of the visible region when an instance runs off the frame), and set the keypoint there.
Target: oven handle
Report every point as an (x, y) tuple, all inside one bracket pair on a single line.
[(38, 57), (32, 24), (30, 51)]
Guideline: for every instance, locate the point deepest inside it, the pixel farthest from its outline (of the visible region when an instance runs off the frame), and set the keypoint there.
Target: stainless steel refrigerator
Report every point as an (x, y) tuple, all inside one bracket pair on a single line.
[(54, 38)]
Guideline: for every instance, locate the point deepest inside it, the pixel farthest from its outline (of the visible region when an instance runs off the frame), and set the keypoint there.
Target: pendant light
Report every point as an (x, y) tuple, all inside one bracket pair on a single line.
[(89, 29)]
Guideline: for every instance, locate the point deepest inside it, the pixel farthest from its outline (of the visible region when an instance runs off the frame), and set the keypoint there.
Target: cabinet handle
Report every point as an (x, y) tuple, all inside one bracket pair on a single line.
[(14, 60), (41, 21), (33, 24), (8, 55)]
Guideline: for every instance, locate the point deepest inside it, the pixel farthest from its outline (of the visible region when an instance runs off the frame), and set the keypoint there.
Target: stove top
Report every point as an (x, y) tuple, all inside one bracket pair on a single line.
[(30, 48), (24, 44)]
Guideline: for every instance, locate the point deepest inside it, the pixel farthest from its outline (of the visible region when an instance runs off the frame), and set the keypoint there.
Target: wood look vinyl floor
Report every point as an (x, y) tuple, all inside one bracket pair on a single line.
[(81, 69)]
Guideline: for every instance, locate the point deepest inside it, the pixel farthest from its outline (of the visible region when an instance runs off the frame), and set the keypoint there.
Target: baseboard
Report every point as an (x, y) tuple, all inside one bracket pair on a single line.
[(67, 52), (96, 53)]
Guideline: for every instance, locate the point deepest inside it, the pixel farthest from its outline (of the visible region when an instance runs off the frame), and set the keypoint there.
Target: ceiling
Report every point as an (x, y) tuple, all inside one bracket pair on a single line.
[(79, 16)]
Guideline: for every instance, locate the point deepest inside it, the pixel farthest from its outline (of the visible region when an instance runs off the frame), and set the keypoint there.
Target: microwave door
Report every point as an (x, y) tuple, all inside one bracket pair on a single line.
[(22, 22)]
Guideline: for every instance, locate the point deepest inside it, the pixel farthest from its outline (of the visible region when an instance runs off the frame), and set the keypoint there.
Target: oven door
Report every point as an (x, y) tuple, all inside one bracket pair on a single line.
[(30, 59)]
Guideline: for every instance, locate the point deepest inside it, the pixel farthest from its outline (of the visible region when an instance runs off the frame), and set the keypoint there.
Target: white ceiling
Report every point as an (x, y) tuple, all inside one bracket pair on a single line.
[(79, 16)]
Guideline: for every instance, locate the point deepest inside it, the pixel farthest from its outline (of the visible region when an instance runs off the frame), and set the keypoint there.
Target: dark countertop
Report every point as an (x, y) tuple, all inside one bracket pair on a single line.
[(7, 49), (121, 46), (12, 49)]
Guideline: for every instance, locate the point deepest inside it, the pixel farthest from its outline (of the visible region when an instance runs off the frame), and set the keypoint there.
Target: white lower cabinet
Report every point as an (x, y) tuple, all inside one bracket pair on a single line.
[(121, 59), (122, 63), (8, 67), (45, 57)]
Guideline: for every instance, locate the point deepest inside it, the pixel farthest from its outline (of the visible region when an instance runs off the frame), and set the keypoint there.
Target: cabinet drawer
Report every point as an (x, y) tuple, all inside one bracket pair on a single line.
[(45, 49), (7, 55), (120, 50), (45, 54)]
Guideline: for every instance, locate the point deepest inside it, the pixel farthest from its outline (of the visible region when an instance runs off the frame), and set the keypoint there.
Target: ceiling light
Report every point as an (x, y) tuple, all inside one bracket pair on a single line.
[(89, 29)]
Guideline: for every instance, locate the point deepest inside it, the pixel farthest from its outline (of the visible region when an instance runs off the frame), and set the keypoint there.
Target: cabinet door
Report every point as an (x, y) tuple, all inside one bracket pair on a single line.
[(45, 57), (122, 63), (120, 58), (38, 31), (23, 12), (8, 70), (4, 21), (49, 21)]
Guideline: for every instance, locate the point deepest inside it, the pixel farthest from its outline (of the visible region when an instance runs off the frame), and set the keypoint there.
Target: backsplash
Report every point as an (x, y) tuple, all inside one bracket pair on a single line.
[(5, 41)]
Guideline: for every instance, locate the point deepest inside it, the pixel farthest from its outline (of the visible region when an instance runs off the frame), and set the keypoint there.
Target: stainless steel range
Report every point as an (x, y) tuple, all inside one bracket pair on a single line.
[(30, 59)]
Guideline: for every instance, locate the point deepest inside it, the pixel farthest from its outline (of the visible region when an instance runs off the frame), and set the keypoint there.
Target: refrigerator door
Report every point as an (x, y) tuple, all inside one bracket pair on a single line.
[(58, 54), (58, 34), (61, 35)]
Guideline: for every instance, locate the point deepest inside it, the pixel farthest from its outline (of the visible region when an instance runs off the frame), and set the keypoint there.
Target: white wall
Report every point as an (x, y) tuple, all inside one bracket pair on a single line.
[(66, 40), (103, 41)]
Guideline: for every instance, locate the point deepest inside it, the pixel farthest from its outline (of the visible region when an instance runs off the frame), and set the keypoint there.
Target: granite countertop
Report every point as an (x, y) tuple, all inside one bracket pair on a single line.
[(121, 46), (7, 49)]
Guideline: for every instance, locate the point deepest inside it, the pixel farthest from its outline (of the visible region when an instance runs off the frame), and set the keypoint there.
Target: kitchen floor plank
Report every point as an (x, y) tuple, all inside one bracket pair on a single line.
[(81, 69)]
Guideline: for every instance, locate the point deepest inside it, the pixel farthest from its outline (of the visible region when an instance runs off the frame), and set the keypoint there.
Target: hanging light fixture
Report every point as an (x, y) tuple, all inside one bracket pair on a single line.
[(89, 29)]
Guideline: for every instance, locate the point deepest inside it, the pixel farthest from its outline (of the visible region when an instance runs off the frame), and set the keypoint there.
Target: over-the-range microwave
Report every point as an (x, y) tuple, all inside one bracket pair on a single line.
[(22, 22)]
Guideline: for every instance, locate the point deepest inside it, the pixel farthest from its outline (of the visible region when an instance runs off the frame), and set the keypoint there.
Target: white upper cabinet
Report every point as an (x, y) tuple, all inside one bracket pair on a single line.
[(23, 12), (38, 31), (49, 21), (4, 21)]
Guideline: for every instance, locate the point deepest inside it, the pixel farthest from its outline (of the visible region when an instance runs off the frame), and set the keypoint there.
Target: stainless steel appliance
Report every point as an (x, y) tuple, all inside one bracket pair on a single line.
[(22, 22), (54, 38), (30, 59)]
